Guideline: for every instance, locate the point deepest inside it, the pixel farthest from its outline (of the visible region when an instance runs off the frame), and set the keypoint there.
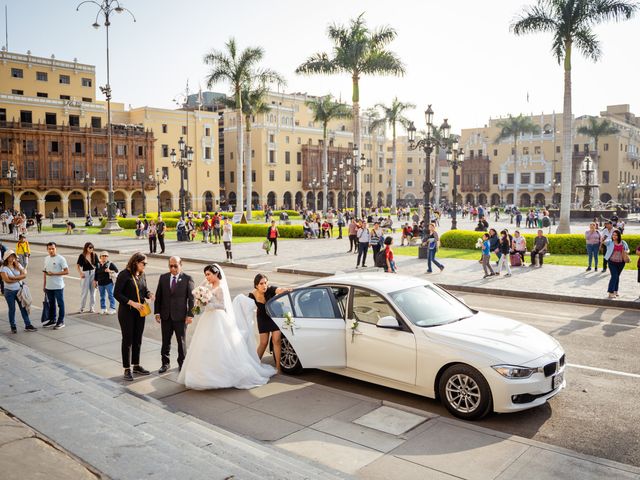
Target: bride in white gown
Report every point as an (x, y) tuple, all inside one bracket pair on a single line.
[(219, 356)]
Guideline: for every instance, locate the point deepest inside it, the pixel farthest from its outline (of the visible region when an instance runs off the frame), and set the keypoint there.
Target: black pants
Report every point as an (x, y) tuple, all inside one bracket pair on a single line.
[(339, 231), (168, 329), (132, 328), (227, 248), (353, 243), (363, 248), (540, 257), (273, 244), (376, 250), (152, 245), (603, 250), (161, 242)]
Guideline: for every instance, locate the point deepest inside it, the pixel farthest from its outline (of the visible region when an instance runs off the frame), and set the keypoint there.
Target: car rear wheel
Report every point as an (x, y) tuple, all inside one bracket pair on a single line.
[(289, 361), (465, 392)]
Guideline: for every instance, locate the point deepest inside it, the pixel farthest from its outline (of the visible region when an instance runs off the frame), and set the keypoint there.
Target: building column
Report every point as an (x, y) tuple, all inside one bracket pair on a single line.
[(127, 204), (65, 207), (41, 205)]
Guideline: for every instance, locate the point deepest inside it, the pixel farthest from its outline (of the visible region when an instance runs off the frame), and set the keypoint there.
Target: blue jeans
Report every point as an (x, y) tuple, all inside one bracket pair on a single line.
[(104, 291), (592, 251), (56, 296), (616, 269), (10, 297), (363, 248), (432, 258)]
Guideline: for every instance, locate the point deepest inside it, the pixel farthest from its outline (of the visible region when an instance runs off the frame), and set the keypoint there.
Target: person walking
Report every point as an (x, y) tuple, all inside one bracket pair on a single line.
[(486, 256), (23, 251), (227, 237), (152, 233), (376, 239), (353, 236), (593, 239), (215, 222), (86, 266), (617, 255), (132, 293), (606, 233), (105, 273), (172, 307), (432, 241), (55, 267), (13, 275), (272, 236), (161, 228), (363, 237), (340, 224), (390, 264), (504, 245)]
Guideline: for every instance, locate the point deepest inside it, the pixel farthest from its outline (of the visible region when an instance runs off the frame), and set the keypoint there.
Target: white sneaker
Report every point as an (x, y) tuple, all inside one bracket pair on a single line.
[(81, 310), (103, 311), (111, 312), (92, 310)]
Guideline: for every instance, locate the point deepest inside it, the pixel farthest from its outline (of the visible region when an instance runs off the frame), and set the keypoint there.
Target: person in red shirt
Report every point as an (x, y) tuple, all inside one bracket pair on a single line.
[(407, 233), (272, 236), (325, 229), (388, 256), (206, 229)]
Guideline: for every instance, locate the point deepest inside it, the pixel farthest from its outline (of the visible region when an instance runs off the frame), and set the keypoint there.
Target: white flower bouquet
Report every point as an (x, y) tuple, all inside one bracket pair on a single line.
[(202, 296), (479, 243), (289, 322)]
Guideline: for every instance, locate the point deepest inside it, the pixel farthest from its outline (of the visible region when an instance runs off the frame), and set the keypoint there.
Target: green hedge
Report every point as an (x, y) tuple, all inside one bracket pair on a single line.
[(565, 244), (254, 213)]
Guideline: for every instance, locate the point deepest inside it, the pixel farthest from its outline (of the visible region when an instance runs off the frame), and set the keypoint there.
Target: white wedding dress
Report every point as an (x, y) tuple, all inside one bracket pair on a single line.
[(219, 355)]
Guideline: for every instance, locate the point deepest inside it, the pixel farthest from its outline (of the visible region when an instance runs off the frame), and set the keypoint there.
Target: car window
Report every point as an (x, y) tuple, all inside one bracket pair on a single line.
[(428, 305), (313, 303), (341, 294), (277, 307), (370, 307)]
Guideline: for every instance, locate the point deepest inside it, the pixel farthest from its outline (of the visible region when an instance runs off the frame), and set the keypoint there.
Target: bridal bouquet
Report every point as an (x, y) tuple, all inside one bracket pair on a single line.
[(289, 322), (202, 296)]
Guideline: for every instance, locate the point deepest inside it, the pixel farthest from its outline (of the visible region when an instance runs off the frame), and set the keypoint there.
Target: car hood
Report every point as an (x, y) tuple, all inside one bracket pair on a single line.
[(500, 339)]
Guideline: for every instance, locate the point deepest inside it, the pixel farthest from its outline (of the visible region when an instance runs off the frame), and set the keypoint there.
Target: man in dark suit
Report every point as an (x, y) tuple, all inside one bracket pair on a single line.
[(172, 307)]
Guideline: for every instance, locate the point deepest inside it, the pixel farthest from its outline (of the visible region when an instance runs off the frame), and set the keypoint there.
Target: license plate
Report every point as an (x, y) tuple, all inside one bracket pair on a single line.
[(557, 381)]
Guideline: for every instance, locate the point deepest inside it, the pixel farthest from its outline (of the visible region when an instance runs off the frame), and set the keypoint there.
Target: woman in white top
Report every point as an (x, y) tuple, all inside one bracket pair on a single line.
[(227, 237), (519, 245), (13, 275)]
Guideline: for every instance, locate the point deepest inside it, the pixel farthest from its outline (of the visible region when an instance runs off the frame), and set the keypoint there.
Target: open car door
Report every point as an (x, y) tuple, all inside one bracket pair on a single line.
[(316, 331)]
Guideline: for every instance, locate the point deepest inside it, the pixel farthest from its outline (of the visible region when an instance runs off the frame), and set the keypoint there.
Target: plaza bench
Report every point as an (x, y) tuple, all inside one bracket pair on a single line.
[(79, 231)]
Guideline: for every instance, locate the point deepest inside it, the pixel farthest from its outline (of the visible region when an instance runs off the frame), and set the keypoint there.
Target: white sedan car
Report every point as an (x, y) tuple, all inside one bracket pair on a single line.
[(406, 333)]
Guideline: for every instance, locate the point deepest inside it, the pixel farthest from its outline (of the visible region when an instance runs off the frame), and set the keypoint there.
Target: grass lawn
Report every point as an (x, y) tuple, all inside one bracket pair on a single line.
[(571, 260)]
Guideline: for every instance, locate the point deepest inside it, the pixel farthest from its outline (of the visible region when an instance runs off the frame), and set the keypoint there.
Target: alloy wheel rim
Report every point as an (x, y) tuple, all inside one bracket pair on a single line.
[(463, 393), (288, 356)]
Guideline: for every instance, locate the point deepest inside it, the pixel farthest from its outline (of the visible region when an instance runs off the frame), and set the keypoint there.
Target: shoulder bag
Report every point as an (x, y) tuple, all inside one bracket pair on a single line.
[(147, 308)]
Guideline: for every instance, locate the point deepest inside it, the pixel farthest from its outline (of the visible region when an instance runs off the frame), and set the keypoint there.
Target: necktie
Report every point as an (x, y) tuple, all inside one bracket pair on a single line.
[(173, 283)]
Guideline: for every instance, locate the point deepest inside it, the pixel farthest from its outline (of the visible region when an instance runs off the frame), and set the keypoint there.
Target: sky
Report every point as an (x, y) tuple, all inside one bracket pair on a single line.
[(459, 54)]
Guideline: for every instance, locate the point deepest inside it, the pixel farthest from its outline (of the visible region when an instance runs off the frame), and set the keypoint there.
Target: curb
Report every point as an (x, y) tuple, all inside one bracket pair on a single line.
[(201, 261)]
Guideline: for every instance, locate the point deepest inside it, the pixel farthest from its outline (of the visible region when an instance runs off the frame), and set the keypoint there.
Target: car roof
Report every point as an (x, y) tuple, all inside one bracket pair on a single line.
[(382, 282)]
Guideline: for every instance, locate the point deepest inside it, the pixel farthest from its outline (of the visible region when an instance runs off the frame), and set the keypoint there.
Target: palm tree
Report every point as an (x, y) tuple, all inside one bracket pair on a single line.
[(596, 129), (324, 110), (357, 50), (392, 115), (238, 69), (512, 128), (571, 23), (254, 102)]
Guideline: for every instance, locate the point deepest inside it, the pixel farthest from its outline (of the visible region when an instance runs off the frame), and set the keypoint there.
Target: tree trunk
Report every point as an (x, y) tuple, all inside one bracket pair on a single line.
[(515, 169), (356, 135), (325, 168), (564, 226), (248, 179), (240, 152), (394, 171)]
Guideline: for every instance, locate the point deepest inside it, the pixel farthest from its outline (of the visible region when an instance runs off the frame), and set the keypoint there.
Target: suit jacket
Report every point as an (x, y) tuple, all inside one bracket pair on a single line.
[(174, 306)]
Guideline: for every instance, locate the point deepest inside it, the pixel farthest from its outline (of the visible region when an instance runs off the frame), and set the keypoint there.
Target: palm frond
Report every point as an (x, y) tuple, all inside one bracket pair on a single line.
[(604, 10), (317, 63), (535, 18), (382, 62), (587, 42)]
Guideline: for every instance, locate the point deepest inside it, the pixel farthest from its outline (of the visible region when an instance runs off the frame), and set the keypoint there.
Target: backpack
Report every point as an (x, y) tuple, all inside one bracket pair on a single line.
[(381, 259)]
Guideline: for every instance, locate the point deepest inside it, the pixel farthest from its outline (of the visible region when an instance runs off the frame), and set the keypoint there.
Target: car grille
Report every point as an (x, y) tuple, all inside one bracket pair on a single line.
[(553, 367)]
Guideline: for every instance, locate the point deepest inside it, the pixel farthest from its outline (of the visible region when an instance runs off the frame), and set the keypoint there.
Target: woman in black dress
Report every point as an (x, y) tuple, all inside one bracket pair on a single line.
[(131, 292), (261, 294)]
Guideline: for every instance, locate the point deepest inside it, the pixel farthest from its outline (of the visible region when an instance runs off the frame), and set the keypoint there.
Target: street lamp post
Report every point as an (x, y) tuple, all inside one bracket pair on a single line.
[(342, 177), (356, 164), (159, 179), (314, 185), (428, 143), (622, 188), (455, 157), (502, 187), (12, 175), (88, 181), (633, 185), (476, 190), (143, 178), (182, 164), (106, 8)]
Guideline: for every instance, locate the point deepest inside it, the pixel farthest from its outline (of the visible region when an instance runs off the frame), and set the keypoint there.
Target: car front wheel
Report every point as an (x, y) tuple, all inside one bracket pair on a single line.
[(465, 392), (289, 361)]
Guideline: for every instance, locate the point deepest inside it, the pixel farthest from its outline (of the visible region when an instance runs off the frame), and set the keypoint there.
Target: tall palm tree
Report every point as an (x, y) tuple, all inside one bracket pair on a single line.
[(512, 128), (596, 129), (393, 115), (238, 69), (372, 115), (254, 102), (357, 50), (324, 110), (571, 22)]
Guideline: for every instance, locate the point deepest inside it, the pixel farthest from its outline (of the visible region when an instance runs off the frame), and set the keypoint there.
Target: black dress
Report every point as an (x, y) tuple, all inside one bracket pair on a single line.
[(265, 322)]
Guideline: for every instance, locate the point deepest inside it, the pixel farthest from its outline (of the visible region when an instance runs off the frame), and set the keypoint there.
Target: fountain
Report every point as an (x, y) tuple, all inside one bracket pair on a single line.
[(589, 188)]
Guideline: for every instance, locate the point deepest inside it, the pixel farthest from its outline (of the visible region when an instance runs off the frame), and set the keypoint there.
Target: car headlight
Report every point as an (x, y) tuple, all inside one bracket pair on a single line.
[(514, 371)]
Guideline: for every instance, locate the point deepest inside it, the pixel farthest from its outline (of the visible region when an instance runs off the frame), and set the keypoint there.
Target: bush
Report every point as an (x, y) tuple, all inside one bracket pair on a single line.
[(564, 244)]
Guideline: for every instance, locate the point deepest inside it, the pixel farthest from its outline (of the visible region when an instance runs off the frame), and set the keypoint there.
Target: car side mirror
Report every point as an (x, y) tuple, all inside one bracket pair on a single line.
[(388, 322)]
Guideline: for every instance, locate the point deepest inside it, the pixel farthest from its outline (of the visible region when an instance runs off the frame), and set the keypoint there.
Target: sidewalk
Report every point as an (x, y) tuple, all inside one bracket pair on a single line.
[(323, 257), (52, 380)]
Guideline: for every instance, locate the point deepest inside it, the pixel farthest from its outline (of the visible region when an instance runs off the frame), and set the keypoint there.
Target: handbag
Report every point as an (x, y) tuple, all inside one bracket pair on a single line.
[(146, 310), (266, 245), (625, 257)]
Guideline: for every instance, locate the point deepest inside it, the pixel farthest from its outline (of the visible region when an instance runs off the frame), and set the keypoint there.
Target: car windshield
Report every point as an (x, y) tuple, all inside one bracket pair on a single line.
[(428, 306)]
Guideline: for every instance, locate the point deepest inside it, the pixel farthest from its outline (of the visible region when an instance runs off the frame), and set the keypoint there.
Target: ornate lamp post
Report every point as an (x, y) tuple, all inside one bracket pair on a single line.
[(12, 175), (140, 176), (159, 179), (428, 144), (476, 190), (622, 189), (553, 184), (343, 177), (106, 8), (182, 163), (632, 186), (356, 164), (455, 157), (314, 185), (502, 187), (88, 181)]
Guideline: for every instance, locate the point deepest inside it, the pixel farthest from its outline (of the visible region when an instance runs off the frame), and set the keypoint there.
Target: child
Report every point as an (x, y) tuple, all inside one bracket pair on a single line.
[(486, 256), (388, 256), (23, 251)]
